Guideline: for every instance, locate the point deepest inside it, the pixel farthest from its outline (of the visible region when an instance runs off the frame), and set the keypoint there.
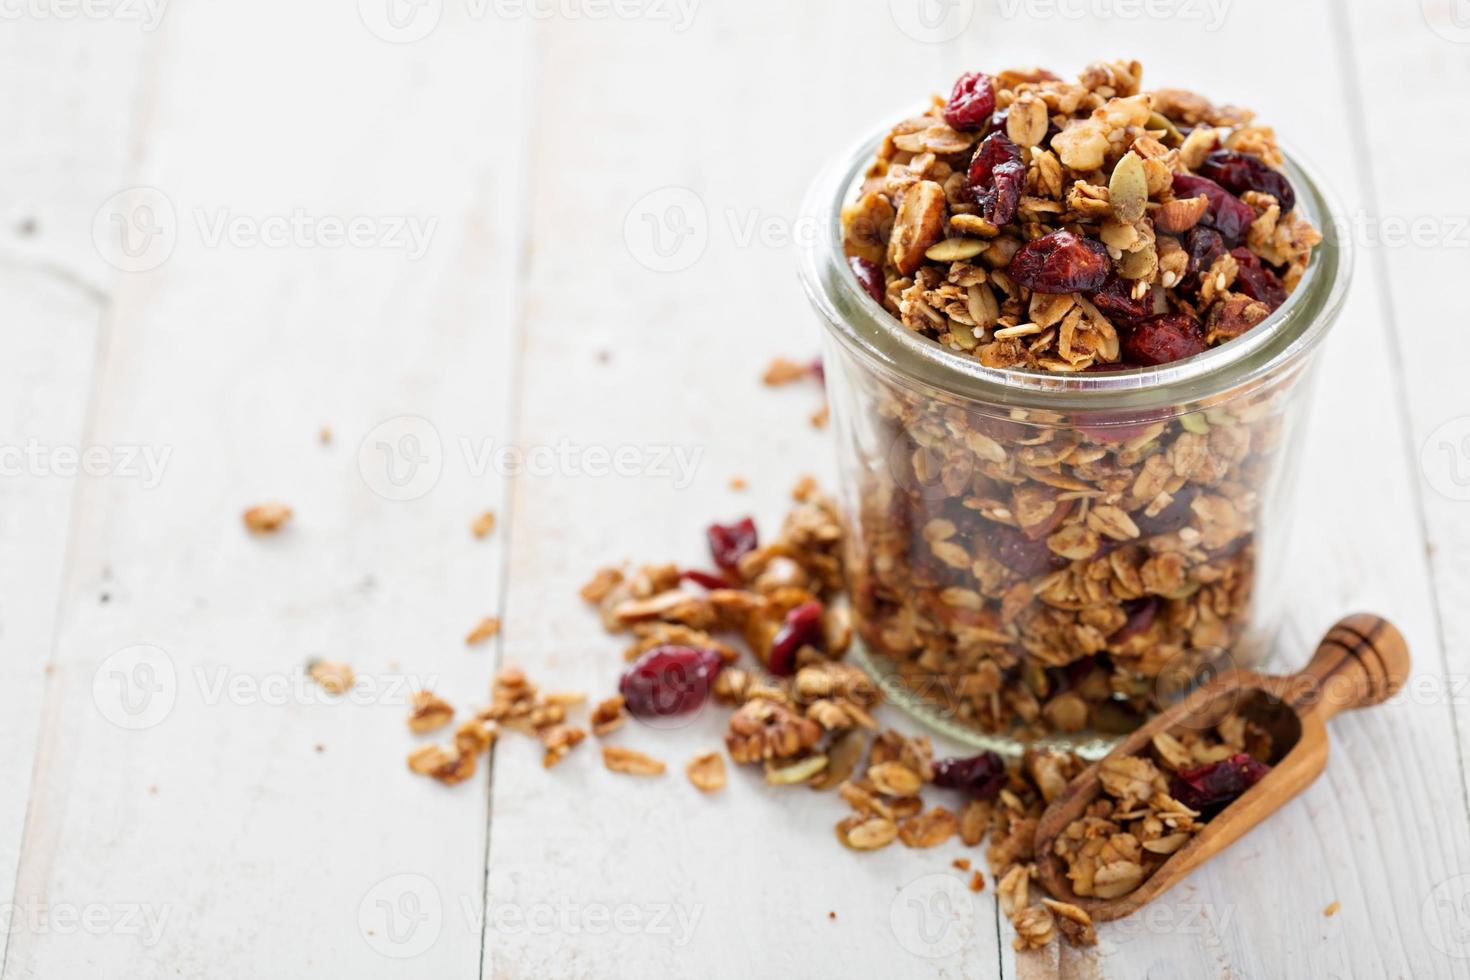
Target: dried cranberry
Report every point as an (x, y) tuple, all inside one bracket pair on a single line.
[(1164, 338), (1204, 246), (1257, 281), (670, 680), (996, 178), (1060, 263), (816, 368), (801, 627), (869, 276), (1211, 787), (1241, 172), (728, 543), (972, 102), (1115, 300), (1020, 554), (1141, 614), (1228, 214), (707, 579), (1171, 518), (981, 776)]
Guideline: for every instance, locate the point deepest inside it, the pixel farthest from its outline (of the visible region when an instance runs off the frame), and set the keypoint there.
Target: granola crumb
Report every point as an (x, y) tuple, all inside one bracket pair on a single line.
[(324, 435), (820, 417), (1332, 909), (832, 915), (609, 715), (267, 518), (617, 758), (738, 483), (783, 371), (961, 864), (334, 676), (484, 630), (484, 524), (977, 882), (430, 712), (707, 771)]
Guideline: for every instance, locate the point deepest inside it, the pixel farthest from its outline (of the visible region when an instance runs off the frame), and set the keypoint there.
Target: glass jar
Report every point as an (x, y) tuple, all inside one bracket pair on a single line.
[(1044, 558)]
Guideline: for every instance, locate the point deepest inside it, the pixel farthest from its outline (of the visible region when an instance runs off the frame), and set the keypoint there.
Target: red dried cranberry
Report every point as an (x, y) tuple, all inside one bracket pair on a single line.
[(1060, 263), (1020, 554), (1211, 787), (1141, 614), (1227, 214), (670, 680), (1171, 518), (728, 543), (1115, 300), (1204, 246), (1257, 281), (981, 776), (869, 276), (707, 579), (802, 627), (1241, 172), (1164, 338), (996, 178), (971, 103), (817, 370)]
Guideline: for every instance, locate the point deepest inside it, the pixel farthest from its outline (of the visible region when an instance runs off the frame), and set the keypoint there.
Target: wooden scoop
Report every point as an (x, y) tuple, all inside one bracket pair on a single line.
[(1361, 662)]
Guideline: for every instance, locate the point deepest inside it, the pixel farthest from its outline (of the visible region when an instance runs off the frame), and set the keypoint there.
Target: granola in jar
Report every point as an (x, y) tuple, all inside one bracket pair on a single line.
[(1031, 571)]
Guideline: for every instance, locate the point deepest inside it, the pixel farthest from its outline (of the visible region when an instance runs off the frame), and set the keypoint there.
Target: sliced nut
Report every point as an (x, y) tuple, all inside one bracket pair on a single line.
[(334, 676), (430, 712), (894, 779), (620, 759), (796, 772), (919, 225), (707, 771), (267, 518), (1181, 214)]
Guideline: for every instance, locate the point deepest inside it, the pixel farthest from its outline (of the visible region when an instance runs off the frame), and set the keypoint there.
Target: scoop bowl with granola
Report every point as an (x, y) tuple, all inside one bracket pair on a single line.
[(1070, 325)]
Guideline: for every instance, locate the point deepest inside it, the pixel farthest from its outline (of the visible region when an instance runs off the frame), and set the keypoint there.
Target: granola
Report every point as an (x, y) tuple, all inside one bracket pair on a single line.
[(1031, 572), (267, 518)]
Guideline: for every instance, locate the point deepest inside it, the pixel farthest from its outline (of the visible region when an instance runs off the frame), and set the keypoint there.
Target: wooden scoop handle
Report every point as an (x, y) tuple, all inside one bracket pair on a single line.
[(1362, 661)]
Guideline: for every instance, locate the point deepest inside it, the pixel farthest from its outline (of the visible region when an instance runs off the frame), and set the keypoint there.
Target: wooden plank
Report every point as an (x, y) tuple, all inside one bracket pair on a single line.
[(242, 825), (68, 143), (621, 355)]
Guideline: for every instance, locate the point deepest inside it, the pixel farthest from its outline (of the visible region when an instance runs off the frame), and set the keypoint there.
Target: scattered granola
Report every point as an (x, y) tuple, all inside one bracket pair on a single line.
[(517, 704), (738, 483), (484, 524), (608, 716), (782, 371), (620, 759), (484, 630), (267, 518), (1332, 909), (334, 676)]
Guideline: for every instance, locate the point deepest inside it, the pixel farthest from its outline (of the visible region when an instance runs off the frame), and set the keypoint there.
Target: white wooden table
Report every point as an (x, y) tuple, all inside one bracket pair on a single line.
[(177, 803)]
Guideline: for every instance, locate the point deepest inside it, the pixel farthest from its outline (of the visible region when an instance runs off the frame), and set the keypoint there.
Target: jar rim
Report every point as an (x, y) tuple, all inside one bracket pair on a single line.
[(864, 326)]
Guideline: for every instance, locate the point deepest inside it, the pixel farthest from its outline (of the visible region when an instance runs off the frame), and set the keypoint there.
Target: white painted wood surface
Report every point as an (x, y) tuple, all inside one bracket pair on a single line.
[(219, 841)]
